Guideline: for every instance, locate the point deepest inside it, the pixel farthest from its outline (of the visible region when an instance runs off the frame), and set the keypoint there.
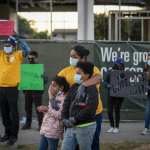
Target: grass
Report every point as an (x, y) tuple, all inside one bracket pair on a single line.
[(125, 146), (106, 146)]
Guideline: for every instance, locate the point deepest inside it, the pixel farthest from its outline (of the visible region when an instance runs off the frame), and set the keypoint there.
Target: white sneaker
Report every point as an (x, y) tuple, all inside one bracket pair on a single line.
[(116, 130), (110, 130), (145, 131)]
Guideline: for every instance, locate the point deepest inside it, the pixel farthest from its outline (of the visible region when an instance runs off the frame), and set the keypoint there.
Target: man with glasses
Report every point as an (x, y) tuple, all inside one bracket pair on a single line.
[(32, 96)]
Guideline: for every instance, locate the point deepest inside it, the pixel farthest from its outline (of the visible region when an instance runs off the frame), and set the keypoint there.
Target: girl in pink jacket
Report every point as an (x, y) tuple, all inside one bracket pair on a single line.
[(52, 126)]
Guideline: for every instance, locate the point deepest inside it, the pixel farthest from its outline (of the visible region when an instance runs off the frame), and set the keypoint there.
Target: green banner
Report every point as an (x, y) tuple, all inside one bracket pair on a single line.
[(31, 77), (134, 55)]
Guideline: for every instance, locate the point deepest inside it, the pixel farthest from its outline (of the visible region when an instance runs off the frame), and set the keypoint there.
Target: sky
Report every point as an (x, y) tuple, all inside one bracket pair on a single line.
[(64, 20)]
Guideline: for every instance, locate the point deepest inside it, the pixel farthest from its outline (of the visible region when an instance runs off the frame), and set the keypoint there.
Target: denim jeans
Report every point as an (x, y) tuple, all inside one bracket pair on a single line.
[(147, 114), (48, 142), (95, 144), (82, 136)]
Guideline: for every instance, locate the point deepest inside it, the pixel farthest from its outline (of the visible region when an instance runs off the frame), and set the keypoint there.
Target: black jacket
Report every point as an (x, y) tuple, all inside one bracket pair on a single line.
[(81, 103)]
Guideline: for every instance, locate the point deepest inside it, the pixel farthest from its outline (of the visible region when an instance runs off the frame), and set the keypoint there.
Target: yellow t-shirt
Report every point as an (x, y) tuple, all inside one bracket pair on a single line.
[(69, 72), (10, 68)]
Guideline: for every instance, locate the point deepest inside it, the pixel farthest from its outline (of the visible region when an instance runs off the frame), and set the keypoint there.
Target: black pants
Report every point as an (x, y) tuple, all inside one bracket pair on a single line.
[(31, 98), (114, 105), (9, 110)]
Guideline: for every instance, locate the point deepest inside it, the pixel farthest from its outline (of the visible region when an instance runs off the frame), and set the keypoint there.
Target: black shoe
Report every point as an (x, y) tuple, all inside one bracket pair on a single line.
[(26, 127), (4, 138), (11, 141)]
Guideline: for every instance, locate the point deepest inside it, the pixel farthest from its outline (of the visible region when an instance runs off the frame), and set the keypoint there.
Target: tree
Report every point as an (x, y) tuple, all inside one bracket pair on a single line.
[(25, 29), (101, 26), (24, 26)]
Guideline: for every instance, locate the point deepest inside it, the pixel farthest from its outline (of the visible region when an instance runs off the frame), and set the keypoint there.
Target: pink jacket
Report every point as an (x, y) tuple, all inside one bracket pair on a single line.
[(52, 126)]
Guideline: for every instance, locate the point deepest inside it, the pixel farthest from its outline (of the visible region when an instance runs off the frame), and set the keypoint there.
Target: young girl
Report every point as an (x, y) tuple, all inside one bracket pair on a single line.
[(52, 127)]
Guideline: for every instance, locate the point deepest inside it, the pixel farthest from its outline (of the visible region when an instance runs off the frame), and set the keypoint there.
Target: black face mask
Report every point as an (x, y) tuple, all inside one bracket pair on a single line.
[(31, 60)]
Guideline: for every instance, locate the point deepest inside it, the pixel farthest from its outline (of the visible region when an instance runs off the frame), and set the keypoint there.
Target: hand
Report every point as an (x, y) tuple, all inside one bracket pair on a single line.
[(53, 89), (72, 119), (68, 123), (92, 81), (42, 108)]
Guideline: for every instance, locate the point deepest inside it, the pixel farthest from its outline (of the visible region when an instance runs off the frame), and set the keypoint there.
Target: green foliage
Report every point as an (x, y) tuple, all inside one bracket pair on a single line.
[(24, 26), (101, 26), (41, 35), (26, 30)]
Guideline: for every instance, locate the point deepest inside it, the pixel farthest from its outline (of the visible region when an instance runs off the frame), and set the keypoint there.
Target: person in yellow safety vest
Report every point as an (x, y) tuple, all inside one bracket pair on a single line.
[(80, 53), (10, 61)]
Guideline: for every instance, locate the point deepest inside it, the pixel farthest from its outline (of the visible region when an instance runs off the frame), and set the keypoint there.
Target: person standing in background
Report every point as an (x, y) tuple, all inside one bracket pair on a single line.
[(10, 61), (114, 103), (147, 108), (32, 96)]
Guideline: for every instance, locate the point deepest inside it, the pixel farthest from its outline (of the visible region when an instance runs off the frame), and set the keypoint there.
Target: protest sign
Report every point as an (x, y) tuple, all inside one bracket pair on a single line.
[(128, 84), (6, 27), (31, 77)]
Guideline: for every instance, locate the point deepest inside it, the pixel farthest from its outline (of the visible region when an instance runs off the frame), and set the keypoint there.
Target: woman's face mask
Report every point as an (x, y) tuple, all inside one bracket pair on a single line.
[(77, 78), (73, 61), (8, 49)]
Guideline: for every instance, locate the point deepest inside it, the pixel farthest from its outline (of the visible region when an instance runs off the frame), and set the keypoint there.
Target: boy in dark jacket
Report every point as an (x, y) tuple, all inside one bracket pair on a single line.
[(79, 110)]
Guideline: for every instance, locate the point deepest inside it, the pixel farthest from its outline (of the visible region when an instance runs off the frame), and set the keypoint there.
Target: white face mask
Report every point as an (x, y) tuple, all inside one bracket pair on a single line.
[(8, 49), (73, 61), (77, 78), (148, 62)]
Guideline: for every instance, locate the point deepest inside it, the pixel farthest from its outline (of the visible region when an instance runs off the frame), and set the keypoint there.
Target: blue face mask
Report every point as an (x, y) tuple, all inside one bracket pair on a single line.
[(77, 78), (73, 61), (8, 49)]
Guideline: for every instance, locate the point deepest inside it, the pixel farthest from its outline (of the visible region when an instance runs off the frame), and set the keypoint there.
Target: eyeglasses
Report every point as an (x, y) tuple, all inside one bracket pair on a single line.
[(31, 57)]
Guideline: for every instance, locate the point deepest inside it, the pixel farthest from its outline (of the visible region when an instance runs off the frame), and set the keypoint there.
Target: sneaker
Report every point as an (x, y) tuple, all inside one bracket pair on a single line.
[(116, 130), (11, 141), (110, 130), (4, 138), (145, 131)]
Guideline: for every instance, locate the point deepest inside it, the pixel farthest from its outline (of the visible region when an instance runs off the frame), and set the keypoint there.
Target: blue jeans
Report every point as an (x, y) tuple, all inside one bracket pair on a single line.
[(147, 114), (48, 142), (82, 136), (95, 144)]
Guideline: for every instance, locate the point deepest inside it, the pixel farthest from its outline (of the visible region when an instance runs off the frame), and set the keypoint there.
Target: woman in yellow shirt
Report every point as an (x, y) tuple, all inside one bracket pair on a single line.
[(80, 53)]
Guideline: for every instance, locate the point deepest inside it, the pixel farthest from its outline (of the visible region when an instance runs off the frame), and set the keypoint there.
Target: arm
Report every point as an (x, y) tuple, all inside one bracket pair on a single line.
[(95, 79), (56, 113), (106, 79), (92, 81), (145, 68), (67, 102), (22, 44)]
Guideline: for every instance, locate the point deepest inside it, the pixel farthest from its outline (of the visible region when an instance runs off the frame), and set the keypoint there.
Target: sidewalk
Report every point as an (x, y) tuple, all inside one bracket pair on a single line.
[(128, 132)]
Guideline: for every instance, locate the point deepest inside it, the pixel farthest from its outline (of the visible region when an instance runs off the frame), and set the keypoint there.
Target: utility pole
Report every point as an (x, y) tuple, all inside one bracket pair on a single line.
[(51, 18), (119, 19)]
